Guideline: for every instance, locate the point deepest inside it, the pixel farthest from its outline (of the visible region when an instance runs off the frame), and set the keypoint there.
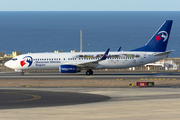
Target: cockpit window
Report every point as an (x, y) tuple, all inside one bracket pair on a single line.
[(14, 59)]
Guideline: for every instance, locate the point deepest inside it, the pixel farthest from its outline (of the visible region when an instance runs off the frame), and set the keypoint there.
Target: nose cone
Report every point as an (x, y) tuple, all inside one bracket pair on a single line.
[(8, 64)]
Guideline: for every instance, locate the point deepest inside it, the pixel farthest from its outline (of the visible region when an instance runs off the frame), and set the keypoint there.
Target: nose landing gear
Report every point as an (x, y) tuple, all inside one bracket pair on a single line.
[(22, 73)]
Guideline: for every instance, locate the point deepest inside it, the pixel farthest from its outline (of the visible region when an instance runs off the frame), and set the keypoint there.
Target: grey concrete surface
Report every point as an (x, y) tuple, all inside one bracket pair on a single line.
[(96, 75), (125, 104)]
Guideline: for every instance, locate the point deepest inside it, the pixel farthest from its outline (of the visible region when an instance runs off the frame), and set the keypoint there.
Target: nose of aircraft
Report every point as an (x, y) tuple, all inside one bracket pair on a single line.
[(8, 64)]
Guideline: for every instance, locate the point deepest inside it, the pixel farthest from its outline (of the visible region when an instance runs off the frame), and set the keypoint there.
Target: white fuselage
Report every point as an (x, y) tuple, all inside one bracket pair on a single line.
[(83, 60)]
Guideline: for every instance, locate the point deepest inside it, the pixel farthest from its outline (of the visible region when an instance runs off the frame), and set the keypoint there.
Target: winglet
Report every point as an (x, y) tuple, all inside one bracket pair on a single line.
[(118, 49), (105, 54)]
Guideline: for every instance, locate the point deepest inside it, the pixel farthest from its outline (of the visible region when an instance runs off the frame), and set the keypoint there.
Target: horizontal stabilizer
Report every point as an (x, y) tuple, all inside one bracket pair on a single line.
[(163, 53)]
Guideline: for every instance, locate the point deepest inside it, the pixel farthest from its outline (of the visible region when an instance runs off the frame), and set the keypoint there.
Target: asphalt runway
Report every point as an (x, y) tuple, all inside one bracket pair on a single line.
[(90, 103), (96, 75), (11, 99), (29, 98)]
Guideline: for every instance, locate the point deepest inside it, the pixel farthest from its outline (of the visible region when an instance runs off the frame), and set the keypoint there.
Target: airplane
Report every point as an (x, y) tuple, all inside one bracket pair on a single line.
[(66, 62)]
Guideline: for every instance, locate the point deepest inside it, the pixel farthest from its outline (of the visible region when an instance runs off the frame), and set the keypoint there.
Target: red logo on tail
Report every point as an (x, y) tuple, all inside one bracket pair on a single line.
[(158, 37)]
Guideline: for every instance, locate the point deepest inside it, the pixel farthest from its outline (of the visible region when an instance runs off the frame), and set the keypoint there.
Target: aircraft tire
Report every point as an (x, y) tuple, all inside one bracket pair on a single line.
[(89, 72), (22, 73)]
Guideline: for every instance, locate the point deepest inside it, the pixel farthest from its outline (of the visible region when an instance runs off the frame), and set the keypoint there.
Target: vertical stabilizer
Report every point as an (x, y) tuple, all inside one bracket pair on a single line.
[(159, 40)]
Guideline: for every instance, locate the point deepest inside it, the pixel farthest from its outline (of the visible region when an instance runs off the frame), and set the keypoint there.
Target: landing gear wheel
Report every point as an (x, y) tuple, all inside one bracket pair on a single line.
[(89, 72), (22, 73)]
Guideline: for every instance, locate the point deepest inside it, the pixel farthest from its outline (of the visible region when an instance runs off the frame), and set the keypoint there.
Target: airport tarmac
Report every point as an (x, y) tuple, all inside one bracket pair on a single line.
[(99, 79), (96, 75), (29, 98), (120, 103)]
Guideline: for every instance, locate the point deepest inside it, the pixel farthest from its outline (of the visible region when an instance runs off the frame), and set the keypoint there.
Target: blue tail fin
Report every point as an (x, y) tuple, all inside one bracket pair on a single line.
[(159, 40)]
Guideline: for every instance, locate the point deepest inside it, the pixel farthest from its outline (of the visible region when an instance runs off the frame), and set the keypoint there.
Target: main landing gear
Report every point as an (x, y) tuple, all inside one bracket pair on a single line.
[(89, 72)]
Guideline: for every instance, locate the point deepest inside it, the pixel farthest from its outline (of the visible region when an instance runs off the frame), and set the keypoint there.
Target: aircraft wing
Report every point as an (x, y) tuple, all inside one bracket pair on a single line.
[(95, 62)]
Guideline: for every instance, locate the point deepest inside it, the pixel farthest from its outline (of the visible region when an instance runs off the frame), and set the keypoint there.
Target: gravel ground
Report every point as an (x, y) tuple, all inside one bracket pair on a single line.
[(80, 82)]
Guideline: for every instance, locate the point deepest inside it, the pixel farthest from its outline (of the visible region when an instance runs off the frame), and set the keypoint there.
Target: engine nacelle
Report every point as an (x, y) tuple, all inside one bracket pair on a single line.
[(68, 69)]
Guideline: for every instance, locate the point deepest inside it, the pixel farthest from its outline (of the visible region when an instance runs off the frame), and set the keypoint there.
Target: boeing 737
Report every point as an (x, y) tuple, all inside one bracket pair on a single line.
[(68, 62)]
